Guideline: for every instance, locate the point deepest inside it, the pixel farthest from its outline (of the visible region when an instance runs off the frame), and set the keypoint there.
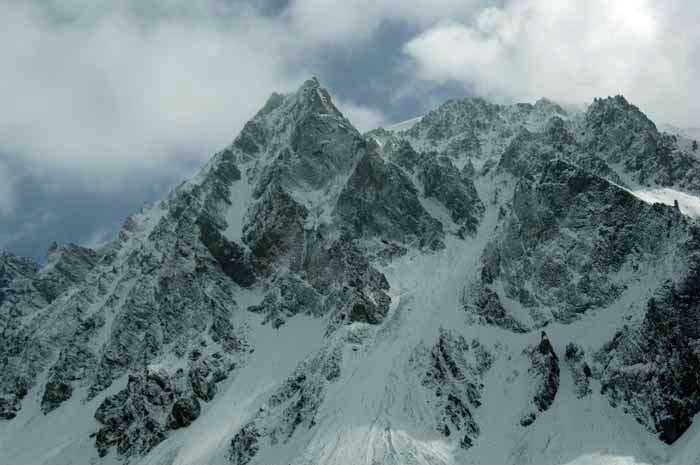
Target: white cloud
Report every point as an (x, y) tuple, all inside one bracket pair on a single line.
[(99, 90), (362, 117), (573, 51), (121, 95), (102, 91)]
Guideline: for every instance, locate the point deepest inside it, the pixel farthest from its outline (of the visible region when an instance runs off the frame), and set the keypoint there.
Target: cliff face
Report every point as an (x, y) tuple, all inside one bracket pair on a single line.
[(315, 295)]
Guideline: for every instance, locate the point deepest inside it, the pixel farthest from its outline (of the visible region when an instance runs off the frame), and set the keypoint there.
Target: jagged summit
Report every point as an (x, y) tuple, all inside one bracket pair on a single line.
[(314, 295), (611, 108), (317, 96), (619, 133), (282, 111), (616, 115)]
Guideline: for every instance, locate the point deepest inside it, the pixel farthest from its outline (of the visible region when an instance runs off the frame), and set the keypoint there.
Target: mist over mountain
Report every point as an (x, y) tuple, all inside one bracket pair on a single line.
[(484, 284)]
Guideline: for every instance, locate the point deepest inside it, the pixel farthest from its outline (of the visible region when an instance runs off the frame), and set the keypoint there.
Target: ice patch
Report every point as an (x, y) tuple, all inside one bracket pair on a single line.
[(688, 204), (241, 193)]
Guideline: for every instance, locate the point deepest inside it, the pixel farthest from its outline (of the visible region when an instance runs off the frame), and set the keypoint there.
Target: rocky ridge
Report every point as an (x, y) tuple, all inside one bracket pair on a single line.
[(303, 219)]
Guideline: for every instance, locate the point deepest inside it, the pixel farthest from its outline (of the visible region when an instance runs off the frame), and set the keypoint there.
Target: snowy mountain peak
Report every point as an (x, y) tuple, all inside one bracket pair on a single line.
[(618, 111), (281, 113), (318, 296)]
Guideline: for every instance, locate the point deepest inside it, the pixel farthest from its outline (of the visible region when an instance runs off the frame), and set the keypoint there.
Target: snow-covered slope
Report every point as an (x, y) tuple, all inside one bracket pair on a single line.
[(485, 284), (688, 204)]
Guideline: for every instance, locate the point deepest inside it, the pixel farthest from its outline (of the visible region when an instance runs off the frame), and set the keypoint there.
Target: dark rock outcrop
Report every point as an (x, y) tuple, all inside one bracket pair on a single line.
[(579, 368), (19, 291), (454, 374), (66, 267), (21, 298), (135, 420), (380, 201), (444, 182), (293, 405), (621, 134), (565, 237), (245, 445), (317, 146), (184, 412), (276, 231), (544, 373), (651, 369), (231, 256), (289, 295), (441, 180), (154, 402)]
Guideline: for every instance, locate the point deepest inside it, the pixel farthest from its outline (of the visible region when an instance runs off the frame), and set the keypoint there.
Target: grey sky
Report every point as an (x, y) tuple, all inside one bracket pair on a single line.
[(107, 104)]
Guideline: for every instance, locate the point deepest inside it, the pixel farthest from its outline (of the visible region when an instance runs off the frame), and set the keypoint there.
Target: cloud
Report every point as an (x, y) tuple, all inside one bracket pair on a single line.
[(27, 229), (7, 192), (572, 51), (105, 90), (351, 21), (362, 117), (106, 103), (99, 90), (122, 98), (99, 237)]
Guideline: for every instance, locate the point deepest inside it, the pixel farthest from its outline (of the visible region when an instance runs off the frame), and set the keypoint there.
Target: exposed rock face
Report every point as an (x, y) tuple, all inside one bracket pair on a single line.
[(627, 139), (136, 419), (308, 142), (157, 288), (532, 152), (290, 296), (154, 402), (67, 265), (276, 232), (19, 294), (380, 201), (244, 446), (292, 406), (566, 237), (25, 290), (185, 411), (473, 132), (651, 368), (10, 402), (355, 290), (544, 371), (441, 180), (487, 306), (454, 375), (230, 255), (579, 368), (457, 118)]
